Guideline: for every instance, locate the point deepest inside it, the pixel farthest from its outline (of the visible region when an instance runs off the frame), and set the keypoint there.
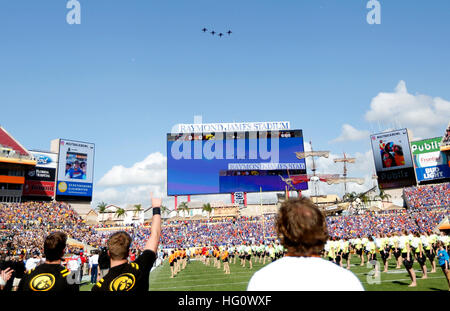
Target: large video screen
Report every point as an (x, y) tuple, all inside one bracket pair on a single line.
[(228, 162), (75, 168), (393, 161), (430, 163), (40, 180), (445, 142)]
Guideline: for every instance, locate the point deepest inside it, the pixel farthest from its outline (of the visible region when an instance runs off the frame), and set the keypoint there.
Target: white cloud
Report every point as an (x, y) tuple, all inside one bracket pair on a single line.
[(349, 133), (132, 185), (122, 196), (150, 171), (424, 115)]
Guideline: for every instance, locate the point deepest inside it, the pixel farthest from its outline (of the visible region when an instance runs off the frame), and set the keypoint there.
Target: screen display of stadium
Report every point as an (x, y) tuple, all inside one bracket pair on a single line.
[(393, 161), (40, 180), (430, 163), (75, 168), (229, 162)]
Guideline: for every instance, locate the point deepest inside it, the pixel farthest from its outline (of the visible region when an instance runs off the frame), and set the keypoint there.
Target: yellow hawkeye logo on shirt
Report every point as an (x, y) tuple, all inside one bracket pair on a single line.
[(123, 282), (42, 282)]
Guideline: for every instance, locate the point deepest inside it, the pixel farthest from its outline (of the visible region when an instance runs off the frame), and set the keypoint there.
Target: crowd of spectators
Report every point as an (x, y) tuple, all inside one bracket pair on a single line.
[(427, 196), (24, 225), (372, 223)]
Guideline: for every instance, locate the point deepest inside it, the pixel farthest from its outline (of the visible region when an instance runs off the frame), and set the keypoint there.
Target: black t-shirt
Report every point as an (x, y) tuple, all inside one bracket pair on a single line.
[(103, 260), (48, 277), (19, 269), (132, 276)]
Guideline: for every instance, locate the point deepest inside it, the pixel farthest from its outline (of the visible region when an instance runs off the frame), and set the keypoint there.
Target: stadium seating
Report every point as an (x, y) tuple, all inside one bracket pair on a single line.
[(428, 196)]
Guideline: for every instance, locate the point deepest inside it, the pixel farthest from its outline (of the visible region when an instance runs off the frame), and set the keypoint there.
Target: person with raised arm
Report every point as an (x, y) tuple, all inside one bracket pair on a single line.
[(123, 274)]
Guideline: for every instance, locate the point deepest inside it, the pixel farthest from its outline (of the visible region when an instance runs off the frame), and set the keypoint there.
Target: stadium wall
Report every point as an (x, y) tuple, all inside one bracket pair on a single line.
[(257, 209), (396, 196)]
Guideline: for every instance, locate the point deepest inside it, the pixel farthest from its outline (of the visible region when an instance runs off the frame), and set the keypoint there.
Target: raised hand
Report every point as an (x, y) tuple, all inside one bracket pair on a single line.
[(156, 202), (6, 274)]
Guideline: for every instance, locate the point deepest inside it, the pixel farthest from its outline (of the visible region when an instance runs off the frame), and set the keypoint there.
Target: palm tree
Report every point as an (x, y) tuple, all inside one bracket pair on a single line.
[(120, 213), (102, 208), (207, 208), (164, 210), (183, 207), (350, 197), (364, 198), (138, 209), (383, 196)]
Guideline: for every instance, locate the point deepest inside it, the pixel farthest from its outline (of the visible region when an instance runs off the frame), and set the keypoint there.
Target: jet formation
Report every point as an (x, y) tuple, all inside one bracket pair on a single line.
[(220, 34)]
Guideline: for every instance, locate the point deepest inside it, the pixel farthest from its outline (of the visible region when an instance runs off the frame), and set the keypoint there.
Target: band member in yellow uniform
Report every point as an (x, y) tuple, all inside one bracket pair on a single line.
[(183, 258), (217, 255), (172, 261), (224, 257)]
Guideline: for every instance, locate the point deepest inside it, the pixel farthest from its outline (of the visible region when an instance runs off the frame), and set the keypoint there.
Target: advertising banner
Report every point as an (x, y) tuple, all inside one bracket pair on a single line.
[(40, 180), (75, 168), (393, 161), (39, 188), (430, 163)]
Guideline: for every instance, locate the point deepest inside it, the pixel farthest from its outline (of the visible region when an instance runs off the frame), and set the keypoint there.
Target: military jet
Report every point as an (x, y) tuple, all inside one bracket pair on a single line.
[(229, 32), (213, 32), (204, 29), (220, 34)]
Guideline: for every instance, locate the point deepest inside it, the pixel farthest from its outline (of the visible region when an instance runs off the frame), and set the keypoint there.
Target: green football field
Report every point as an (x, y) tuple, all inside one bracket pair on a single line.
[(198, 277)]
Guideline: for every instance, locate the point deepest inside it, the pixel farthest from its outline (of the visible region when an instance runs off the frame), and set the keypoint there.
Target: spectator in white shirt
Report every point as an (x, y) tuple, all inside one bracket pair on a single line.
[(302, 230), (93, 267), (33, 262)]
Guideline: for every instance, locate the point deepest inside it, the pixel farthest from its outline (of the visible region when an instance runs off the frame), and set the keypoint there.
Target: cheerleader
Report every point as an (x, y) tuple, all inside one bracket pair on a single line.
[(345, 247), (394, 241), (371, 250), (429, 241), (419, 251), (408, 259)]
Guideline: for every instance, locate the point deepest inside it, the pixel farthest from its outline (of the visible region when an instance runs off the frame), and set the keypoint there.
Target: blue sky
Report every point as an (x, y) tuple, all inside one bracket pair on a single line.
[(133, 69)]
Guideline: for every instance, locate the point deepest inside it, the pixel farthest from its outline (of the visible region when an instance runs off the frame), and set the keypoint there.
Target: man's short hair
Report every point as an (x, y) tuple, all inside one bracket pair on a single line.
[(301, 227), (119, 245), (54, 246)]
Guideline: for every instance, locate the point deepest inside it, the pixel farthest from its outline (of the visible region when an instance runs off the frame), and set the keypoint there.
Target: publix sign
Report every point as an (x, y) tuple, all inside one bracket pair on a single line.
[(430, 163)]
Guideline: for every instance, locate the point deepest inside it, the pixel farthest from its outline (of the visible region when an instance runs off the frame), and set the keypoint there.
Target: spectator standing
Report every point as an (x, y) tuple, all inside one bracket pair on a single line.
[(33, 262), (444, 262), (51, 275), (302, 230), (74, 265), (103, 262), (93, 266), (131, 276), (19, 271)]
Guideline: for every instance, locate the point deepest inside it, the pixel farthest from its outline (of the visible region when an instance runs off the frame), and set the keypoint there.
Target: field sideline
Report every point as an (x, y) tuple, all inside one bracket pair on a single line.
[(198, 277)]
